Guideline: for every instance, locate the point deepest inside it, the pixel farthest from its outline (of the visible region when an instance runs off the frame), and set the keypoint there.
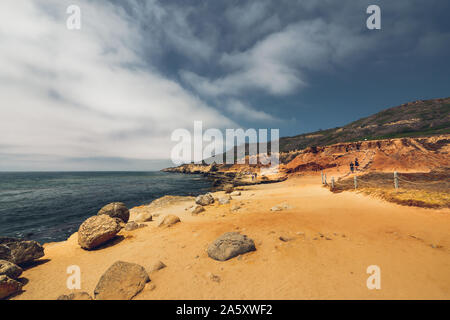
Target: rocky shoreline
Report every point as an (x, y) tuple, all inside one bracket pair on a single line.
[(123, 280), (226, 175)]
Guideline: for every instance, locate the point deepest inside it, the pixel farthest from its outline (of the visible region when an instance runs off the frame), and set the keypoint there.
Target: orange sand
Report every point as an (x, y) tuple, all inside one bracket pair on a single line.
[(363, 231)]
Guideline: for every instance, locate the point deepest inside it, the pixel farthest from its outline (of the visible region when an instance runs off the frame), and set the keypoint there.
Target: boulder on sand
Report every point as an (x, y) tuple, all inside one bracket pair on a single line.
[(97, 230), (10, 269), (122, 281), (224, 201), (130, 226), (8, 286), (230, 245), (75, 296), (116, 210), (144, 217), (169, 220), (204, 199), (197, 209), (228, 188), (21, 251), (158, 265)]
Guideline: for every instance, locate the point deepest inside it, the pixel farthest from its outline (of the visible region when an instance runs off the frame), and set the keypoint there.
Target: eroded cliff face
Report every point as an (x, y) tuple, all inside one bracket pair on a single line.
[(403, 155)]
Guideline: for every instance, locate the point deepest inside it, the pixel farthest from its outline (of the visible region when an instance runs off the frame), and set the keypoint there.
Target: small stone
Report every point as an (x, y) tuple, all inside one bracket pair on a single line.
[(169, 220), (130, 226), (236, 193), (144, 217), (235, 207), (228, 188), (213, 277), (197, 209), (223, 201), (285, 239), (205, 199), (157, 266), (75, 296)]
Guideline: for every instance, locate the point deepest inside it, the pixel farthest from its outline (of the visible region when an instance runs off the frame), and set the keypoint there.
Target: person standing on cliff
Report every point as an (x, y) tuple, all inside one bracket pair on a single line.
[(356, 164), (351, 167)]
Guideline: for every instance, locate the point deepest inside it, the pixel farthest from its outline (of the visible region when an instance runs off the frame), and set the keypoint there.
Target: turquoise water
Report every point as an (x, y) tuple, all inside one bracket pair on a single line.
[(51, 206)]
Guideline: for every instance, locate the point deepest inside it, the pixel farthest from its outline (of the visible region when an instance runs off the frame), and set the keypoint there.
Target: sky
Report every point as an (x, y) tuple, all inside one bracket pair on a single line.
[(109, 95)]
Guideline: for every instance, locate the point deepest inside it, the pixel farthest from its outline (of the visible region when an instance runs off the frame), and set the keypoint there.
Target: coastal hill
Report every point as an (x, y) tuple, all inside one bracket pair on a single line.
[(411, 137), (420, 118)]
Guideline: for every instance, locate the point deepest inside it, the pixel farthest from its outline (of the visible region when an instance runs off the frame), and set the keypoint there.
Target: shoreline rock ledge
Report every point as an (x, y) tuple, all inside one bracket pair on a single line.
[(20, 251)]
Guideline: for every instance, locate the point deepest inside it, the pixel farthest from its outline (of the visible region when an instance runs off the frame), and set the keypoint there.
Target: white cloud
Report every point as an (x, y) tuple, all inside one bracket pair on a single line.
[(242, 110), (278, 63), (86, 93)]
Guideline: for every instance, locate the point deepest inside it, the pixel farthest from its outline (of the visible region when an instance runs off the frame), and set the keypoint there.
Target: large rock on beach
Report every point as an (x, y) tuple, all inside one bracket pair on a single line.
[(230, 245), (122, 281), (116, 210), (97, 230), (10, 269), (9, 286), (21, 251), (204, 199)]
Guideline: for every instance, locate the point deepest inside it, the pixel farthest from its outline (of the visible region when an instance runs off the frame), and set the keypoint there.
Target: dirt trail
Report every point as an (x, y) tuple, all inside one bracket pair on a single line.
[(363, 231)]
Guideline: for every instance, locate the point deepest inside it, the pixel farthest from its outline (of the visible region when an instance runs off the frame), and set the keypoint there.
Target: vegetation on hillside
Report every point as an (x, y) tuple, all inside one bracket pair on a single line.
[(413, 119)]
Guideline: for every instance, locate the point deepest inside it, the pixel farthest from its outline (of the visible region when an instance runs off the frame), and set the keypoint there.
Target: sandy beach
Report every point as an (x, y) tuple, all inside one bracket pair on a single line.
[(329, 241)]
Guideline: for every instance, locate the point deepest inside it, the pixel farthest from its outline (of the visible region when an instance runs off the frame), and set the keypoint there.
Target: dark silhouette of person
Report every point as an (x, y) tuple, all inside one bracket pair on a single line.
[(356, 164), (351, 167)]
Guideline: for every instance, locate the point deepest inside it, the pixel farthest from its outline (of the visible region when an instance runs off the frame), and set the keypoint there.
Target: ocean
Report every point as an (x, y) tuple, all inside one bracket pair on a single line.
[(50, 206)]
